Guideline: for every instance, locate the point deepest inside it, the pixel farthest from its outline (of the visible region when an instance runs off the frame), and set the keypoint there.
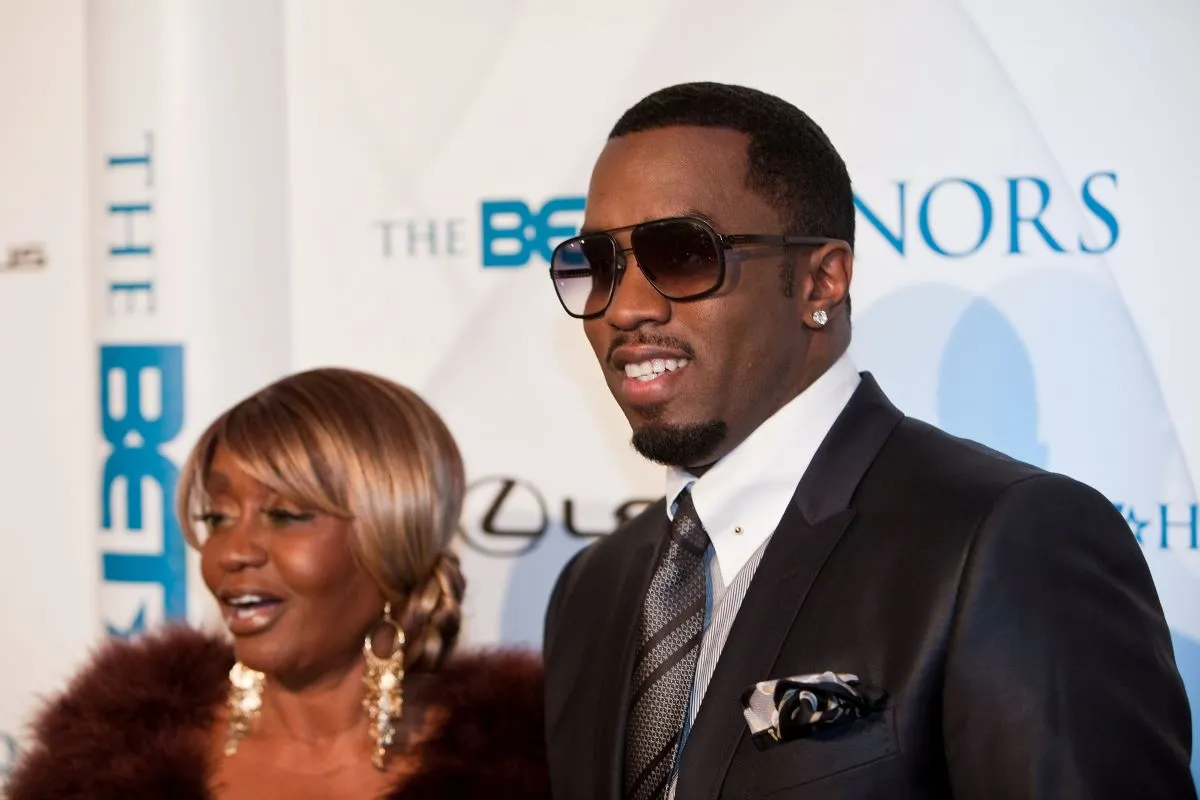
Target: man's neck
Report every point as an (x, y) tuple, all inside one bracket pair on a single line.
[(816, 366)]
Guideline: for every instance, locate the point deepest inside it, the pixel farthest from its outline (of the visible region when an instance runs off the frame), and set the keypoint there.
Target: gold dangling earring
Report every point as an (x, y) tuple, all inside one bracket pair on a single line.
[(385, 697), (245, 700)]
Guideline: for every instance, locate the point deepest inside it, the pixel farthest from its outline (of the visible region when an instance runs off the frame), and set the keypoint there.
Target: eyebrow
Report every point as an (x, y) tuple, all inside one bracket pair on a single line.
[(691, 212)]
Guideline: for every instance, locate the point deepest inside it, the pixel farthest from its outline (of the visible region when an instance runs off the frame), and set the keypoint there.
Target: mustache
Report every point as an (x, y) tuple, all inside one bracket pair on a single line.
[(648, 340)]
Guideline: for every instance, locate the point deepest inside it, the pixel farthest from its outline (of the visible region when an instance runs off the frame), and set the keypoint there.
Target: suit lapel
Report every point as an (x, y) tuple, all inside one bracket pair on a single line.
[(810, 529), (614, 666)]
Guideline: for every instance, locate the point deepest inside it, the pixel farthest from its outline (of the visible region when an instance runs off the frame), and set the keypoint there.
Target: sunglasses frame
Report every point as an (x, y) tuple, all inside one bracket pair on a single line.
[(723, 242)]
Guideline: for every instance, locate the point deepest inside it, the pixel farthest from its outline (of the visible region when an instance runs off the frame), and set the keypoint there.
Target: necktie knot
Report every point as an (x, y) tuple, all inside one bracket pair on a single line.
[(687, 528)]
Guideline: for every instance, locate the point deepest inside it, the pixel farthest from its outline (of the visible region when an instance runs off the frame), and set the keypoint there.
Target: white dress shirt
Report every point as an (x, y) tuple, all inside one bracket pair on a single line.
[(741, 499)]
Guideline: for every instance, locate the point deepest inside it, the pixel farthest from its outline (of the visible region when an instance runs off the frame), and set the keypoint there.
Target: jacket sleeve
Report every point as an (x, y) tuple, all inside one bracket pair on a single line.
[(1060, 678), (562, 587)]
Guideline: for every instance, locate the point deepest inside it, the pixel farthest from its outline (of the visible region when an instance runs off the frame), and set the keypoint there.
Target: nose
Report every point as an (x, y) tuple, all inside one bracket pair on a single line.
[(635, 301), (240, 546)]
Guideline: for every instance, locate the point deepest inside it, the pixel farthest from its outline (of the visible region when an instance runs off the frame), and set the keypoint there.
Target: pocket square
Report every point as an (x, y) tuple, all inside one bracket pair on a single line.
[(807, 705)]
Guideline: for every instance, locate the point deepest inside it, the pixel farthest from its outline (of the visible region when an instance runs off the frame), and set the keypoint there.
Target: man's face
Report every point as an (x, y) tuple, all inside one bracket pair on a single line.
[(738, 354)]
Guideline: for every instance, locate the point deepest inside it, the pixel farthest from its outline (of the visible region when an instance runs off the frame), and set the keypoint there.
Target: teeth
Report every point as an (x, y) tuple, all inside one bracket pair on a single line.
[(651, 369), (250, 606)]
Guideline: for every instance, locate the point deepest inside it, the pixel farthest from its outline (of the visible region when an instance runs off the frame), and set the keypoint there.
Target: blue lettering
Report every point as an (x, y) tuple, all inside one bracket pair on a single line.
[(130, 210), (896, 240), (129, 248), (1135, 525), (130, 290), (137, 159), (494, 233), (135, 627), (1102, 213), (1015, 219), (985, 207), (532, 232), (1167, 524), (1022, 215), (136, 455)]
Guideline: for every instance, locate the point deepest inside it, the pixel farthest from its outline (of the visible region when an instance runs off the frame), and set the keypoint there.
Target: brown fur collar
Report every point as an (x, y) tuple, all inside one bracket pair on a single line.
[(137, 721)]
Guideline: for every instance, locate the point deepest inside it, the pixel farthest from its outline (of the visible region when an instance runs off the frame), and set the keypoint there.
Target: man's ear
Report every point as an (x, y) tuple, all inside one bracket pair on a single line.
[(826, 284)]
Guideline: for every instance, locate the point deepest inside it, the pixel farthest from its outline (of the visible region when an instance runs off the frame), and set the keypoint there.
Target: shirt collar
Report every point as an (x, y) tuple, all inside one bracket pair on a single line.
[(742, 497)]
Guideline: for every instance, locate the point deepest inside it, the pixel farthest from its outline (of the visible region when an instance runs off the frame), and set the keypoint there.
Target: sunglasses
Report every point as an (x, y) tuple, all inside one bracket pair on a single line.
[(683, 258)]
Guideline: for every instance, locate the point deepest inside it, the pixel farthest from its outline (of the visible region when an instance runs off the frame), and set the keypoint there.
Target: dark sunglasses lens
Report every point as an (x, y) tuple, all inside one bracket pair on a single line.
[(682, 258), (583, 270)]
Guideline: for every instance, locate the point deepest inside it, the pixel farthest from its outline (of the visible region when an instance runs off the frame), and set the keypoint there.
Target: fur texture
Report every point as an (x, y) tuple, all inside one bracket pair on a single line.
[(137, 722)]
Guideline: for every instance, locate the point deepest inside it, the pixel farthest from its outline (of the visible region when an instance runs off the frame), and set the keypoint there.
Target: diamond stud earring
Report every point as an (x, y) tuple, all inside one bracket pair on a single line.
[(820, 316)]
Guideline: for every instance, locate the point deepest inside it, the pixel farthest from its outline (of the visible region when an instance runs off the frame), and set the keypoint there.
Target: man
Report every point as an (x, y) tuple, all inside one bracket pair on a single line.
[(989, 630)]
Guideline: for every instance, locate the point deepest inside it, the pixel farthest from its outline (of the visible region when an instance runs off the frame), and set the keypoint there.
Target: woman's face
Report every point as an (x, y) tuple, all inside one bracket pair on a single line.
[(290, 590)]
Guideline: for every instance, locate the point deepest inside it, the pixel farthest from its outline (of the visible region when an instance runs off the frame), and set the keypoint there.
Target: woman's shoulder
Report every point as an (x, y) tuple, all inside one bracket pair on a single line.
[(136, 706), (497, 691), (483, 674), (500, 691), (176, 670), (492, 741)]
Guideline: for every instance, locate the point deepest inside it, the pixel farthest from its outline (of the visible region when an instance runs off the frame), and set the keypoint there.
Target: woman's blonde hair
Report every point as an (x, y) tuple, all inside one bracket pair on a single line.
[(365, 449)]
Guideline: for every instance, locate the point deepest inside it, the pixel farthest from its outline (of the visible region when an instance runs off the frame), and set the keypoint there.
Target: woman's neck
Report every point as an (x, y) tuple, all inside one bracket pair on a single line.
[(312, 738), (316, 712)]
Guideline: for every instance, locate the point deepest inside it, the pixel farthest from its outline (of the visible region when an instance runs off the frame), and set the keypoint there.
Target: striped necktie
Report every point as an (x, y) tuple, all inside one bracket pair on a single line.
[(670, 628)]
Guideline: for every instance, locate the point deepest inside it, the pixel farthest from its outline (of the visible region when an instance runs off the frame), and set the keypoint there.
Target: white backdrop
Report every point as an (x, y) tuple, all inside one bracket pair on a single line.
[(369, 184), (143, 144), (1026, 189), (189, 256), (48, 568)]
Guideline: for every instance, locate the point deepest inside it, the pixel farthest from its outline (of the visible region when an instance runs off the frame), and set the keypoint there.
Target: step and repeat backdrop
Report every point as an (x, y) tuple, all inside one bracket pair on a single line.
[(275, 186), (48, 572), (1025, 193)]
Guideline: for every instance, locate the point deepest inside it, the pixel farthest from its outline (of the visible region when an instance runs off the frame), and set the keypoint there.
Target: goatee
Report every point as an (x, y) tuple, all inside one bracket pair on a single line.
[(679, 445)]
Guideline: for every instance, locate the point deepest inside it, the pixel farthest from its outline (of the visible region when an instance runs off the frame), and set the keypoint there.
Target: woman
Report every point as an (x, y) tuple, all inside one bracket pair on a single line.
[(322, 508)]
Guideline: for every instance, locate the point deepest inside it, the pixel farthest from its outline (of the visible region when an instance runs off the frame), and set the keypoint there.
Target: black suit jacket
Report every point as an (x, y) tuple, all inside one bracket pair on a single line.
[(1008, 612)]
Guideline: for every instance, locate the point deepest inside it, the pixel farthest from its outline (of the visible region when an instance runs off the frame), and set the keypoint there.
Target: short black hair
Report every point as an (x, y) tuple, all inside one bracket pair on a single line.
[(790, 161)]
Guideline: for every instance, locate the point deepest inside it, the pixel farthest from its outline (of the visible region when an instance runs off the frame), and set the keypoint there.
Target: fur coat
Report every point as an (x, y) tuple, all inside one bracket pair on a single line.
[(137, 722)]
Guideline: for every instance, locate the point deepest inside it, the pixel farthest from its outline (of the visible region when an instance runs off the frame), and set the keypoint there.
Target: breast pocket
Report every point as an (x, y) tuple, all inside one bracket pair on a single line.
[(789, 765)]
